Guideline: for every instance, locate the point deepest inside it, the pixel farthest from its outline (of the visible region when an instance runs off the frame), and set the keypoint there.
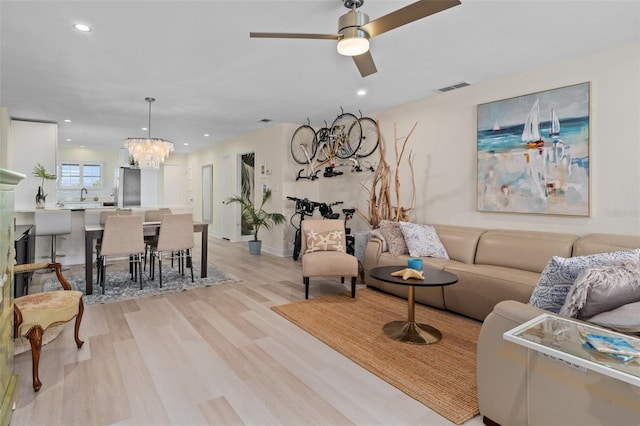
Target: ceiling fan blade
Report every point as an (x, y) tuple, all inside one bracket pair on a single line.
[(406, 15), (296, 35), (365, 64)]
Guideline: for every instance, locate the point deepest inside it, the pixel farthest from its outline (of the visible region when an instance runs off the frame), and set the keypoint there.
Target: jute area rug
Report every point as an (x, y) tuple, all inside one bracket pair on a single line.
[(442, 376)]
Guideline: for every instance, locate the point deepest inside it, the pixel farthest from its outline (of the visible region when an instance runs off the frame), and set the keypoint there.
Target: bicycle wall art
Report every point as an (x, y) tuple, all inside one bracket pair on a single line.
[(533, 153)]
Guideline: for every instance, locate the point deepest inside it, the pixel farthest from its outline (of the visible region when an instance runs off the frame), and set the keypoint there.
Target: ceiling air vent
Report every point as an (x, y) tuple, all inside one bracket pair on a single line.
[(454, 86)]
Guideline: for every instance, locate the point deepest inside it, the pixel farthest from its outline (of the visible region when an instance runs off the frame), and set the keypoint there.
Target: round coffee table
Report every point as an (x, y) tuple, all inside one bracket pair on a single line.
[(409, 331)]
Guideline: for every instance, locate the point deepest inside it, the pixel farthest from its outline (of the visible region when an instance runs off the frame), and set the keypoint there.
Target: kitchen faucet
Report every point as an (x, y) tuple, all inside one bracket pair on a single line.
[(82, 192)]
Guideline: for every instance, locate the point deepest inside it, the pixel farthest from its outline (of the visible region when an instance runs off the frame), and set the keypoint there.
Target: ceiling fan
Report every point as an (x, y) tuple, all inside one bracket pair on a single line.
[(355, 29)]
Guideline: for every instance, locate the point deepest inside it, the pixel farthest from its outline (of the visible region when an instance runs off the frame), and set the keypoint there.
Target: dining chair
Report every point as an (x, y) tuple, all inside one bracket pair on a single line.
[(102, 220), (34, 313), (175, 239), (152, 216), (324, 253), (123, 236)]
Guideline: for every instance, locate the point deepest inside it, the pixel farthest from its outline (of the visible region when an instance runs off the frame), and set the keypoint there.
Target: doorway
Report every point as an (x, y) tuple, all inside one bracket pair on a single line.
[(172, 185)]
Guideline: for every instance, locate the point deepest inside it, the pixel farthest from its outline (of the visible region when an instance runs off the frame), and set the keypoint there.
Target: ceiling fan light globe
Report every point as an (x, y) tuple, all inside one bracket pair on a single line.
[(353, 46)]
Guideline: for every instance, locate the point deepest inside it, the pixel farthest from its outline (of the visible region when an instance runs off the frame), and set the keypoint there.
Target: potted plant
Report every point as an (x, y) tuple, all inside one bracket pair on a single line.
[(41, 172), (257, 218)]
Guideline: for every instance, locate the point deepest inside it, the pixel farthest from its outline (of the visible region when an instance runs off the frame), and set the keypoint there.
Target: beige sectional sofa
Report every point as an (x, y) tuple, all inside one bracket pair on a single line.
[(497, 271), (491, 264)]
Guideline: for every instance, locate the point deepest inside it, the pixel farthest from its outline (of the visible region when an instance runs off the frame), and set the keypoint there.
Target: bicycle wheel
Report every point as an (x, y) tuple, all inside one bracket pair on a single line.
[(303, 144), (347, 133), (370, 137), (323, 139), (297, 243)]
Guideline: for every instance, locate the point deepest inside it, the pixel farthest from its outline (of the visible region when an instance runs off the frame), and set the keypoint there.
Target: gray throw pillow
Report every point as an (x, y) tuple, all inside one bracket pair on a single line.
[(393, 236), (625, 319), (603, 288), (560, 274)]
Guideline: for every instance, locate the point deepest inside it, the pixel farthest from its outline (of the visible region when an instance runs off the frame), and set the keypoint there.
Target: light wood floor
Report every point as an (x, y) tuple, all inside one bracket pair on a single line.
[(215, 355)]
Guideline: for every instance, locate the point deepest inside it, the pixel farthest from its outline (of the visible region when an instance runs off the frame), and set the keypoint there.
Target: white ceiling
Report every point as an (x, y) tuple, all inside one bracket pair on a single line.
[(208, 76)]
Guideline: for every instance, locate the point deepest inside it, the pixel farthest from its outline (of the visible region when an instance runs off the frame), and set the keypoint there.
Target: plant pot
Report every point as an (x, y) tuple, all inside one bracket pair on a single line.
[(255, 247)]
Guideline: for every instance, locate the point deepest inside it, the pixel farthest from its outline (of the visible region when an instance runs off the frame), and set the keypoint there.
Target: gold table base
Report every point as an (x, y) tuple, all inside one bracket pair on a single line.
[(412, 332)]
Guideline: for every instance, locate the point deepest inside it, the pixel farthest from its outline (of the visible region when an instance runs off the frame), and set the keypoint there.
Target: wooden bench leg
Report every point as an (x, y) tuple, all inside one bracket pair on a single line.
[(76, 333), (35, 338)]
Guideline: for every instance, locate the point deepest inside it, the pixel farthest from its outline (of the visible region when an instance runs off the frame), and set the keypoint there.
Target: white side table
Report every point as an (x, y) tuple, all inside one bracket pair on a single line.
[(560, 338)]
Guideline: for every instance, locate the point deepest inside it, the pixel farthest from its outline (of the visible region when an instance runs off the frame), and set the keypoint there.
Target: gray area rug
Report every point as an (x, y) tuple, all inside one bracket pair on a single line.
[(119, 285)]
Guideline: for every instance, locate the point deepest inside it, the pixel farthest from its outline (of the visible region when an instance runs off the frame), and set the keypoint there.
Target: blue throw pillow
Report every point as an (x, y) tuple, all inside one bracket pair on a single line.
[(560, 273)]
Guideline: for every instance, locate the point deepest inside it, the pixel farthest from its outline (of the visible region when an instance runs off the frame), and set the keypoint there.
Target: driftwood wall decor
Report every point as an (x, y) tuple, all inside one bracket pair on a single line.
[(382, 205)]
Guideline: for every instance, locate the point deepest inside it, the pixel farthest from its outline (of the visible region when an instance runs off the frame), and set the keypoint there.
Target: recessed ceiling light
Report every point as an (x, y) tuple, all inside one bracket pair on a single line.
[(68, 140), (186, 144), (361, 92), (82, 27), (206, 135), (144, 128), (67, 121)]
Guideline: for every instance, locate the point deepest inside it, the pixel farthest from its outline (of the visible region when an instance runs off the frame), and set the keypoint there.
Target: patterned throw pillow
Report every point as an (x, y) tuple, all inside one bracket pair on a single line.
[(393, 236), (423, 241), (560, 273), (324, 241)]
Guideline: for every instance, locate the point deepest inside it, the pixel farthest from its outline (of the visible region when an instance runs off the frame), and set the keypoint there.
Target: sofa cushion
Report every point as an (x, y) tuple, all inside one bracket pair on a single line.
[(603, 288), (422, 241), (324, 241), (560, 274), (625, 318), (393, 236)]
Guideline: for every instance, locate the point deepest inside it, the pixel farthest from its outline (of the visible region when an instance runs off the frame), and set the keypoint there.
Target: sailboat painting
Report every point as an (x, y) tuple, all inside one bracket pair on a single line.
[(537, 159)]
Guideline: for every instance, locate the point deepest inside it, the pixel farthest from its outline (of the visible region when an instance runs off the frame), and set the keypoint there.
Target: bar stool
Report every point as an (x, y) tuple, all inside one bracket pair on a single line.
[(53, 223)]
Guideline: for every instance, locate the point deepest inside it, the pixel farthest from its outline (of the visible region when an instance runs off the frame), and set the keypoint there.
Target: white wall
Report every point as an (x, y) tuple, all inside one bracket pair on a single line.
[(29, 137), (444, 144)]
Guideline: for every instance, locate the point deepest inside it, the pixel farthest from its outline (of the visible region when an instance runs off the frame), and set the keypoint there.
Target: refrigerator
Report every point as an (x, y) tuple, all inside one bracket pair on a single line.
[(129, 189)]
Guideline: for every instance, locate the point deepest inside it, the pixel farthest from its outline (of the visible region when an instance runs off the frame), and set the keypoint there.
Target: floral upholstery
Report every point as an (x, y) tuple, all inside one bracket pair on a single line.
[(45, 309)]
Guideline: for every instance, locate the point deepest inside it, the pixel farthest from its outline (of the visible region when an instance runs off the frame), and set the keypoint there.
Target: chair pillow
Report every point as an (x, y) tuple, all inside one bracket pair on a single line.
[(423, 240), (560, 273), (393, 236), (603, 288), (625, 319), (324, 241)]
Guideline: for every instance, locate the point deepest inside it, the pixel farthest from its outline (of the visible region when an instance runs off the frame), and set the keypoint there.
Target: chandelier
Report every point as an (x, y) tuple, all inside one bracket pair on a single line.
[(149, 152)]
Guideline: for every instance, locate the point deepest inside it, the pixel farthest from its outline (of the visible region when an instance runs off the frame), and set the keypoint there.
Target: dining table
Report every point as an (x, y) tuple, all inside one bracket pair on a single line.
[(94, 232)]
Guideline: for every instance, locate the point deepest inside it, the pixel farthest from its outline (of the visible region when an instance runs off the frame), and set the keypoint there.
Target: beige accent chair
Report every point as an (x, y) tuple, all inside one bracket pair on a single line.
[(324, 262), (123, 236), (176, 240), (34, 313)]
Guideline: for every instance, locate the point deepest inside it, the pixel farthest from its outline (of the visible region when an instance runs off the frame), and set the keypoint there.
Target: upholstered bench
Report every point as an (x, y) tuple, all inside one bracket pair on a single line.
[(34, 313)]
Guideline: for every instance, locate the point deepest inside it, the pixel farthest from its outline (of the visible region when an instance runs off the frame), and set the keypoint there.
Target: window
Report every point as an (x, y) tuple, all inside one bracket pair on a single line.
[(80, 175)]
